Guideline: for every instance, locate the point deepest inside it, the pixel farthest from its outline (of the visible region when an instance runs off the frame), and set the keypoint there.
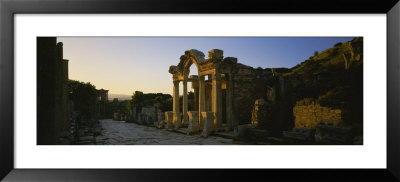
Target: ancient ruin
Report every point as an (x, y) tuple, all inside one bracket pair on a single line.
[(52, 92), (102, 106), (224, 91), (316, 102)]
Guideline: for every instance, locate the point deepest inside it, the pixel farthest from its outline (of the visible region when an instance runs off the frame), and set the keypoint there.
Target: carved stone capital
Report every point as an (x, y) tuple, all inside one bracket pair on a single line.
[(173, 70)]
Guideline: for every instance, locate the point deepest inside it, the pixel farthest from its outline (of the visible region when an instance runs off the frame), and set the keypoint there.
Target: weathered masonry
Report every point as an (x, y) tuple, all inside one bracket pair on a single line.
[(52, 93), (102, 107), (224, 92)]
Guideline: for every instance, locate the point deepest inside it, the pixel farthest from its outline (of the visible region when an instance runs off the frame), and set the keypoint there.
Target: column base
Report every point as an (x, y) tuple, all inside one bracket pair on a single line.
[(176, 121), (168, 120), (193, 126)]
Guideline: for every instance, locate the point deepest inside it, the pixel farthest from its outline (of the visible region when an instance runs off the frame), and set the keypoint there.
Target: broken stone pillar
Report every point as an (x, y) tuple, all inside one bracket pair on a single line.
[(193, 122), (259, 113), (185, 103), (176, 121), (168, 119), (207, 118)]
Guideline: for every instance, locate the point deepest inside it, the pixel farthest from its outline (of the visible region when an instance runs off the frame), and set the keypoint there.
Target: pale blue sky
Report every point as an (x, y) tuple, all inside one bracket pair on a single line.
[(126, 64)]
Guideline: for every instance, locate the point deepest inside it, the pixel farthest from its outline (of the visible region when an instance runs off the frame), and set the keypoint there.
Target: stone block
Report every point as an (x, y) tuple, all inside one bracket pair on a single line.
[(241, 131), (177, 119), (193, 122), (300, 134), (207, 118), (329, 133), (184, 122), (168, 119), (216, 54)]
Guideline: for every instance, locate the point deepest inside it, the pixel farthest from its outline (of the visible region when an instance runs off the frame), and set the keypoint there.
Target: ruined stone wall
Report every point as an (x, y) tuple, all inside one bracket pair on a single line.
[(147, 115), (52, 93), (308, 113), (249, 84), (102, 104), (46, 90)]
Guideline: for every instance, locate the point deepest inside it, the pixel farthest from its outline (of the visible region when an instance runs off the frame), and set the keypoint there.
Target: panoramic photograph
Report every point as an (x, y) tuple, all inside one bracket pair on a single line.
[(199, 91)]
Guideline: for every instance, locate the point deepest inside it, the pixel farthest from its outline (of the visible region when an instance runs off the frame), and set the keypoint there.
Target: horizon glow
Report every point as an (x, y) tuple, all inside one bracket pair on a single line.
[(124, 65)]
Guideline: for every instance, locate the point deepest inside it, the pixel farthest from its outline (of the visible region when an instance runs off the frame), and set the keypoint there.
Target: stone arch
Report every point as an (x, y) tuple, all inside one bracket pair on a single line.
[(190, 57), (208, 119)]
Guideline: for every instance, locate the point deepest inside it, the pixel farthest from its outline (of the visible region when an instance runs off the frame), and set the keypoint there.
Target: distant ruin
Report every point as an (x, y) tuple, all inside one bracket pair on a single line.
[(102, 106)]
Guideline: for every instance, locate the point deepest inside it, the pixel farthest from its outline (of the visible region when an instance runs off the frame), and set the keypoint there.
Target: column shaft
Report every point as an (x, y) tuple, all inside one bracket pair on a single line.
[(202, 96), (176, 97), (185, 103), (217, 100), (196, 99)]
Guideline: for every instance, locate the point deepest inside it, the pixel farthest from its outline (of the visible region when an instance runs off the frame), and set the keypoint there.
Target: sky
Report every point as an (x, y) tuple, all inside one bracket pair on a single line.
[(124, 65)]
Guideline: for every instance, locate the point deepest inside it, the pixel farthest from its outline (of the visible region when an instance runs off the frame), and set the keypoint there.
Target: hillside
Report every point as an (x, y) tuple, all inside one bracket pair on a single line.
[(333, 77)]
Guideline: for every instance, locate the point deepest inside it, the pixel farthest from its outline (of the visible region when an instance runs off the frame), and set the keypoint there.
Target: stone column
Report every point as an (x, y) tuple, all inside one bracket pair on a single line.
[(176, 97), (216, 100), (185, 103), (202, 97), (196, 99), (65, 122), (195, 86), (229, 91)]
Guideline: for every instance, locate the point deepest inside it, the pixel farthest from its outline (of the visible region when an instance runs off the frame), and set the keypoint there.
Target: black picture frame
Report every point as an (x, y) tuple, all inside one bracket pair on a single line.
[(9, 8)]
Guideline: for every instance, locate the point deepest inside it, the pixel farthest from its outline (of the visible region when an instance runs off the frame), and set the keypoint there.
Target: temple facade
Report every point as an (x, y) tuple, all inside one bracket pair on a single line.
[(224, 92)]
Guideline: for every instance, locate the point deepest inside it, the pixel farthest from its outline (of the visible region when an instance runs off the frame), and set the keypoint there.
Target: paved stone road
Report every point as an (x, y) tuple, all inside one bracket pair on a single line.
[(121, 133)]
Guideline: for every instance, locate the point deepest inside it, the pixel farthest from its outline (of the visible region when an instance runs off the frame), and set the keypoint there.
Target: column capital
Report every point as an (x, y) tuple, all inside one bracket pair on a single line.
[(176, 82), (216, 76)]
